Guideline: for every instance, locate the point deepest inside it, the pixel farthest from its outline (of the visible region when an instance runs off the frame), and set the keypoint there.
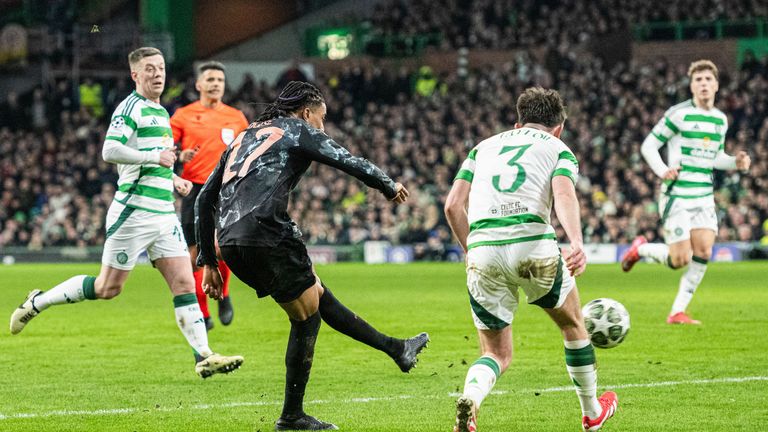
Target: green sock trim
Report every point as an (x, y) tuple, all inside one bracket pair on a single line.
[(699, 260), (669, 263), (491, 363), (580, 357), (89, 287), (184, 300)]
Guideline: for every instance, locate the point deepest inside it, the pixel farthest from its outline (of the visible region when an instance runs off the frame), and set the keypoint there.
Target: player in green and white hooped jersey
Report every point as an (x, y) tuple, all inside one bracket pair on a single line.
[(141, 217), (499, 209), (694, 133)]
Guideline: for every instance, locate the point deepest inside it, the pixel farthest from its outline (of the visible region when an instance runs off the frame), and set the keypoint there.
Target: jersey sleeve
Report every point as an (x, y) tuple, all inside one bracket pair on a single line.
[(567, 165), (318, 146), (467, 170), (122, 125), (665, 129)]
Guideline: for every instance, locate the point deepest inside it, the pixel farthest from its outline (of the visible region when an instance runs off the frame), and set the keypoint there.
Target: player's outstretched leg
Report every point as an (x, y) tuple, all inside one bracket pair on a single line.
[(688, 285), (73, 290), (190, 321), (298, 363), (480, 379), (581, 363), (403, 351), (226, 313)]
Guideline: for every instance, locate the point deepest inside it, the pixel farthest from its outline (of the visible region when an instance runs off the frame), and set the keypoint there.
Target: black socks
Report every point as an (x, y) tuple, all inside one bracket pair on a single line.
[(298, 363), (347, 322)]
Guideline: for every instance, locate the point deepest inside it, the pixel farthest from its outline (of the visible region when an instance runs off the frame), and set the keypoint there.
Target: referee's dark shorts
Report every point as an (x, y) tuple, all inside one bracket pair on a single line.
[(188, 214)]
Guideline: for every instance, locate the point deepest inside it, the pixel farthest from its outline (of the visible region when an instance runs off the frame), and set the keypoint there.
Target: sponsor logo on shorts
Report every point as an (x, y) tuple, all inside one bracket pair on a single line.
[(678, 231)]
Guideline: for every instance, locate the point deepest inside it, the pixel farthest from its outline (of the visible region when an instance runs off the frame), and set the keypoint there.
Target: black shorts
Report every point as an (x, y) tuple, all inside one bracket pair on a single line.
[(283, 271), (188, 214)]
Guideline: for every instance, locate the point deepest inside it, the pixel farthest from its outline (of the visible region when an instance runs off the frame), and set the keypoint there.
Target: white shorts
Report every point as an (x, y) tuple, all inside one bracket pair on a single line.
[(679, 218), (130, 231), (495, 273)]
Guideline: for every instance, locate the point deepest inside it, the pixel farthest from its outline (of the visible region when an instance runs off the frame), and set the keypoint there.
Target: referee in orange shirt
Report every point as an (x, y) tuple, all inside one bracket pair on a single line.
[(204, 129)]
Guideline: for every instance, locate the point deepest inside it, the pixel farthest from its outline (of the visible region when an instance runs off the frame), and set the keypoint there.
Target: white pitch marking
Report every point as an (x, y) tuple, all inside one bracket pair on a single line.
[(119, 411)]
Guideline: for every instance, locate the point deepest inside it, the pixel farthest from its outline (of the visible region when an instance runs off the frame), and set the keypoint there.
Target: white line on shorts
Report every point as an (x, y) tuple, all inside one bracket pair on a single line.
[(121, 411)]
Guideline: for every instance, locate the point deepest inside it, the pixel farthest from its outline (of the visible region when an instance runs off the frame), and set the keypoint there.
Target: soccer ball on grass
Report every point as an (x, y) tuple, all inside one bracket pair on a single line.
[(607, 322)]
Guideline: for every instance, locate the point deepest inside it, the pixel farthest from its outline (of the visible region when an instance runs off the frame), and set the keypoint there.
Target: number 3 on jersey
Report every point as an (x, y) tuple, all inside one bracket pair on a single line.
[(520, 178), (274, 135)]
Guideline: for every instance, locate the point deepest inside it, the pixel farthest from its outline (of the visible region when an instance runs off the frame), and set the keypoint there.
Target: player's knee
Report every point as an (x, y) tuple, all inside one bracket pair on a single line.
[(183, 284), (109, 291), (705, 254), (679, 260), (502, 357)]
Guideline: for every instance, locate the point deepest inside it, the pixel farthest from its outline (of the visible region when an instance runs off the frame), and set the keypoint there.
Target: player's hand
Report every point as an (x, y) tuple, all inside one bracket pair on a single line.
[(576, 261), (183, 187), (187, 155), (401, 194), (167, 158), (743, 161), (671, 173), (212, 282)]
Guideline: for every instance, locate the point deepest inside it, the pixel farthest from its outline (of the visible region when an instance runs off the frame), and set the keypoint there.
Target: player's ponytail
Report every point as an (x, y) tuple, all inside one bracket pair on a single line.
[(295, 96)]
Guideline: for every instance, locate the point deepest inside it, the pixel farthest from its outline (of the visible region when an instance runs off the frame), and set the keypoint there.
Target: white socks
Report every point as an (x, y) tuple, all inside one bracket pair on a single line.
[(481, 377), (658, 252), (688, 284), (580, 362), (191, 323), (72, 290)]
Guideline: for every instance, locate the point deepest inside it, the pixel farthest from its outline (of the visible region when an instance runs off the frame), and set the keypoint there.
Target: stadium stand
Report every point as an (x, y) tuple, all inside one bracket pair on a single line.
[(56, 188)]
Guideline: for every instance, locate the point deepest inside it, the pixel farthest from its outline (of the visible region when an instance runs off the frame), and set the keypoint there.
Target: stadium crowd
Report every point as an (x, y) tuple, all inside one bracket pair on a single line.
[(506, 24), (55, 187)]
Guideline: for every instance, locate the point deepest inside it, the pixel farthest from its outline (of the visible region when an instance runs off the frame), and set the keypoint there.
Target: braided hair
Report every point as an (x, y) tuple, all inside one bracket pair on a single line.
[(295, 96)]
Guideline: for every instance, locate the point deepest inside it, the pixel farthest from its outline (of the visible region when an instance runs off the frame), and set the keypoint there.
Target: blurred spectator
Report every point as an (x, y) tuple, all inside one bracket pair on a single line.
[(91, 98)]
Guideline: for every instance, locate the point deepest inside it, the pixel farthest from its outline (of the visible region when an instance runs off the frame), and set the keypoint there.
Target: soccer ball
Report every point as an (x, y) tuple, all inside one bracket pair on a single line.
[(607, 322)]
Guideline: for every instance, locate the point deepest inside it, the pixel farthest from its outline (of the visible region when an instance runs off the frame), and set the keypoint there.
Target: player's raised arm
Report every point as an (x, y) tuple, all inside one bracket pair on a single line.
[(318, 146)]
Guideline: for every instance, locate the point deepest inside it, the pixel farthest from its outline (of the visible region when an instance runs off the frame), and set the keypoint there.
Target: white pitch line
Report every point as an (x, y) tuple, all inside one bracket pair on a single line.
[(120, 411)]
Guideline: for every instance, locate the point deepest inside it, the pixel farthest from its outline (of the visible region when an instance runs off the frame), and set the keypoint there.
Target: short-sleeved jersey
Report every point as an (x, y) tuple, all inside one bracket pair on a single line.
[(207, 130), (143, 125), (251, 185), (510, 200), (693, 137)]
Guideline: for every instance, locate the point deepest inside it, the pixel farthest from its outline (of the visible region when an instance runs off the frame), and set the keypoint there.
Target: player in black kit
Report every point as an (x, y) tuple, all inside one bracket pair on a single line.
[(261, 244)]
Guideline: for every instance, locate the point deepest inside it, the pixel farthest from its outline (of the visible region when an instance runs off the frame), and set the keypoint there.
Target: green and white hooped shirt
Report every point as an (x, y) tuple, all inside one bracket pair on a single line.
[(143, 125), (510, 200), (694, 137)]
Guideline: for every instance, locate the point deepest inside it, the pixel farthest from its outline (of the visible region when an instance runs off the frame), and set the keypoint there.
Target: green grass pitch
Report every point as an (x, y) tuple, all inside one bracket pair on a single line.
[(123, 365)]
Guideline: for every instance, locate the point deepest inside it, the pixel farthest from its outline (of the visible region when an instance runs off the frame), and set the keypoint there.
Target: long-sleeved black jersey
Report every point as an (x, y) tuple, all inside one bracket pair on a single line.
[(251, 185)]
